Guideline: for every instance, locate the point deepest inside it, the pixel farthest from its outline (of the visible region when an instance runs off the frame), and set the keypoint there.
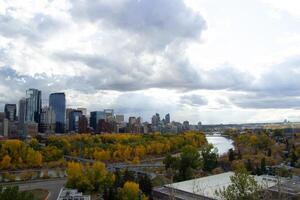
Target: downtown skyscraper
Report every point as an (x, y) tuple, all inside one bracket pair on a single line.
[(57, 102), (33, 105)]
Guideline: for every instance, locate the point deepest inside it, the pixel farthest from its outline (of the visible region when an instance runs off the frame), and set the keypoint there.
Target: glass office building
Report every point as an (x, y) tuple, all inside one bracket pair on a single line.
[(33, 105), (11, 112), (74, 120), (57, 101), (95, 117)]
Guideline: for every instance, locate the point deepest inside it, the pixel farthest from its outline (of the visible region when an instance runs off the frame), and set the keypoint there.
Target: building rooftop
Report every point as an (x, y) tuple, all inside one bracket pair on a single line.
[(207, 186), (72, 194)]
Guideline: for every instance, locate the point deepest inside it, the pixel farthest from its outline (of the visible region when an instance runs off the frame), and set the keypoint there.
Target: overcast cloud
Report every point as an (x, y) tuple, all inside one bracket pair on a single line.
[(183, 57)]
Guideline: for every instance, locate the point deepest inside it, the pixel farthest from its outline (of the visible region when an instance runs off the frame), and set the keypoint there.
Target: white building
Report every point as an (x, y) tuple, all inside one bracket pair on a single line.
[(204, 188), (72, 194)]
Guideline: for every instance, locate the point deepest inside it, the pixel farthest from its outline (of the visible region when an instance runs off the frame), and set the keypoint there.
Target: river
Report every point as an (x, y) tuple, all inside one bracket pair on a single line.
[(223, 144)]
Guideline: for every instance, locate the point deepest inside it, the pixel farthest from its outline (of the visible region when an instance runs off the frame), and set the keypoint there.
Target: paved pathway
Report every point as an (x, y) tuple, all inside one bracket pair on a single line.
[(53, 186)]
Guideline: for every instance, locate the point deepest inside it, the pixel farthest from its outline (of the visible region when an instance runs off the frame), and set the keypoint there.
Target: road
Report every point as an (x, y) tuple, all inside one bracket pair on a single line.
[(53, 186)]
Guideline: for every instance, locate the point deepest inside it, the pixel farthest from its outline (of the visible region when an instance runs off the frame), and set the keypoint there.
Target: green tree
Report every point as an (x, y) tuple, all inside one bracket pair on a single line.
[(210, 157), (231, 155), (249, 166), (170, 162), (263, 165), (243, 187), (189, 162), (13, 193), (145, 184)]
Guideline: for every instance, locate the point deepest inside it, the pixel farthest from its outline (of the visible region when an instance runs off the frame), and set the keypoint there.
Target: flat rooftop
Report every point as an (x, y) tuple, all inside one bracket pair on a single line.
[(207, 186)]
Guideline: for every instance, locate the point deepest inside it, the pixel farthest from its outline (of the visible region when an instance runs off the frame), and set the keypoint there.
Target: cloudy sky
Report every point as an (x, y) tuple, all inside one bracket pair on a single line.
[(200, 60)]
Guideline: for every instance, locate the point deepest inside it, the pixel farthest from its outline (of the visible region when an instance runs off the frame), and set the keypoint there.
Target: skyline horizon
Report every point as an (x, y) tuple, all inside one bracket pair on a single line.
[(126, 116)]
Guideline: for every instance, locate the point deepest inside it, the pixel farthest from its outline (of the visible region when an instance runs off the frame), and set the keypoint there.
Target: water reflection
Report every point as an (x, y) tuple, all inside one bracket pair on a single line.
[(223, 144)]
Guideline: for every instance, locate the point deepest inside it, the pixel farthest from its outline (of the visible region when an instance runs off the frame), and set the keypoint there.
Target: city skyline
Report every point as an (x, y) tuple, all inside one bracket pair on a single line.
[(204, 64)]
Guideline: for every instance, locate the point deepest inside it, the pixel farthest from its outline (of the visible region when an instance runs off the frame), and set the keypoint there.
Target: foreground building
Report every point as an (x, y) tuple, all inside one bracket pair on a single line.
[(72, 194), (203, 188)]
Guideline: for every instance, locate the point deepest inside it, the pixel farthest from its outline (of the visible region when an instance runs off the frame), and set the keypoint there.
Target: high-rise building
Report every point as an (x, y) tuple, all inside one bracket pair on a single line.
[(22, 117), (74, 120), (109, 114), (120, 118), (3, 125), (168, 119), (95, 117), (132, 120), (155, 119), (83, 110), (68, 111), (83, 124), (11, 112), (57, 101), (33, 105), (48, 122), (186, 125)]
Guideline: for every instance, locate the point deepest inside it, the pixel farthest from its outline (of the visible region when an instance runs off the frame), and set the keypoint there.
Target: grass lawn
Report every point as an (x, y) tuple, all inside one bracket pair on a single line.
[(39, 194)]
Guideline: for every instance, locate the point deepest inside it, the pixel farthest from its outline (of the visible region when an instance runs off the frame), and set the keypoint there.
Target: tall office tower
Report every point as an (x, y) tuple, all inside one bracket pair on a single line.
[(74, 120), (155, 119), (68, 111), (95, 117), (139, 120), (109, 114), (11, 112), (132, 120), (47, 124), (168, 119), (120, 118), (186, 125), (83, 124), (3, 125), (57, 101), (22, 111), (33, 105), (22, 117)]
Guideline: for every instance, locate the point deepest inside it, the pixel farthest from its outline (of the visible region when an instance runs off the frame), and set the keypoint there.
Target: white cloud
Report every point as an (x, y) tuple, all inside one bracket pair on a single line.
[(227, 63)]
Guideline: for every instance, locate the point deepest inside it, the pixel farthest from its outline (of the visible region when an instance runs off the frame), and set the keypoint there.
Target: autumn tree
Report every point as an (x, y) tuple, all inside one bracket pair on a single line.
[(34, 158), (131, 191), (6, 162)]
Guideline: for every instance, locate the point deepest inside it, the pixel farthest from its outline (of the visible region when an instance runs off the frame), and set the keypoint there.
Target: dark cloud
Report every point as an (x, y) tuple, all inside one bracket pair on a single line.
[(14, 85), (174, 73), (194, 100), (280, 80), (158, 21), (37, 29), (256, 101)]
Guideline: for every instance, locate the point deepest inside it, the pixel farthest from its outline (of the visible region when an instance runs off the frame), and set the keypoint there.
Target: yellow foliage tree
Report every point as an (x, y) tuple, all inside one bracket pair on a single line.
[(130, 191), (6, 162), (34, 158), (101, 155)]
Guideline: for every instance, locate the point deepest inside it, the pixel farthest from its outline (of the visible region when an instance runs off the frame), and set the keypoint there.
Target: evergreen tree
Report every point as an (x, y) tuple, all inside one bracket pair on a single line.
[(263, 166), (145, 184), (128, 176), (231, 155), (249, 166)]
